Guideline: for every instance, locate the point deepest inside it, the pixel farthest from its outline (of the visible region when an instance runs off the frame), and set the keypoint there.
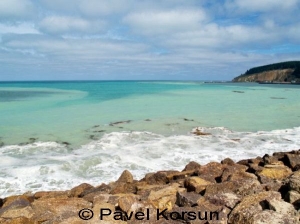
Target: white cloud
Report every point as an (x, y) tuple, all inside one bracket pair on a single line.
[(16, 9), (67, 24), (19, 28), (153, 22)]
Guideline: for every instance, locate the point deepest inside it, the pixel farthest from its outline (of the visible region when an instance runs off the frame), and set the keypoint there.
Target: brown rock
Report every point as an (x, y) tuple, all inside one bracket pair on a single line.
[(196, 184), (192, 166), (179, 176), (161, 177), (293, 197), (228, 161), (124, 188), (224, 199), (251, 205), (18, 198), (19, 220), (58, 208), (269, 217), (165, 198), (294, 181), (187, 199), (126, 177), (293, 160), (89, 194), (240, 187), (278, 172), (12, 213), (210, 171), (51, 194), (78, 190), (126, 203)]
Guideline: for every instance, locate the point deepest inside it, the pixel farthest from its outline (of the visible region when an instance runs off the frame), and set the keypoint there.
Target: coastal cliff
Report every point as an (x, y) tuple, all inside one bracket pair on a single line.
[(258, 190), (280, 75), (279, 72)]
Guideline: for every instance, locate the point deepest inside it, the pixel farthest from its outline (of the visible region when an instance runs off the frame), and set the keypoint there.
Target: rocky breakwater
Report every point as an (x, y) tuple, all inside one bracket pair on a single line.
[(259, 190)]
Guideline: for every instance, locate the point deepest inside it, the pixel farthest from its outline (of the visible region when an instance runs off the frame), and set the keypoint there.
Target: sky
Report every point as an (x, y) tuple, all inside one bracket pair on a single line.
[(144, 39)]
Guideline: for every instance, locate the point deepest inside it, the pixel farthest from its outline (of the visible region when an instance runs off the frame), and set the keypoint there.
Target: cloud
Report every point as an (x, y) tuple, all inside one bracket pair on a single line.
[(265, 5), (67, 24), (158, 22), (16, 9), (19, 28)]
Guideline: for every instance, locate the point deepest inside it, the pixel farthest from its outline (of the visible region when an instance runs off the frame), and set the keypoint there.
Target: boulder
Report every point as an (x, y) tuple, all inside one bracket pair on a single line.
[(60, 208), (126, 177), (196, 184), (278, 172), (165, 198), (251, 205), (187, 198), (78, 190), (192, 166), (294, 181)]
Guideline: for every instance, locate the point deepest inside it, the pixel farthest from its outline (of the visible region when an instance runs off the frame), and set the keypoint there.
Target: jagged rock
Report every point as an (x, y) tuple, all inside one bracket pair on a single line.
[(278, 172), (210, 171), (124, 188), (1, 202), (18, 199), (192, 166), (226, 199), (294, 181), (228, 161), (161, 177), (179, 176), (251, 205), (241, 187), (89, 194), (293, 160), (233, 174), (268, 217), (293, 197), (281, 207), (196, 184), (50, 194), (78, 190), (165, 198), (187, 198), (17, 212), (18, 220), (59, 208), (126, 177), (125, 203)]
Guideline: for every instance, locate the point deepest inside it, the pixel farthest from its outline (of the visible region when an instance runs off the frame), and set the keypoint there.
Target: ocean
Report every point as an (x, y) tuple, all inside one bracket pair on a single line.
[(56, 135)]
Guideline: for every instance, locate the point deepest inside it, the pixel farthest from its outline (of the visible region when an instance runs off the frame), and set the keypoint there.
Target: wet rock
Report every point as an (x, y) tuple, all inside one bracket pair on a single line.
[(119, 122), (196, 184), (278, 172), (237, 91), (192, 166), (200, 133), (187, 199)]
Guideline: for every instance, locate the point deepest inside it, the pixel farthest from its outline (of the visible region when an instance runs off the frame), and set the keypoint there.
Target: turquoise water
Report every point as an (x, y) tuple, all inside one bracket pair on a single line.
[(69, 111), (55, 135)]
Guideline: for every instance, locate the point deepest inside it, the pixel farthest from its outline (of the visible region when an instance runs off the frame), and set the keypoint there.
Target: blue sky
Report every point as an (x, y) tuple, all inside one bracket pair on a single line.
[(144, 39)]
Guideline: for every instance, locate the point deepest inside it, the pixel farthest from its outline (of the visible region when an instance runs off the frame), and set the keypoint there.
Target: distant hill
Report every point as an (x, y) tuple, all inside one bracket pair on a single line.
[(280, 72)]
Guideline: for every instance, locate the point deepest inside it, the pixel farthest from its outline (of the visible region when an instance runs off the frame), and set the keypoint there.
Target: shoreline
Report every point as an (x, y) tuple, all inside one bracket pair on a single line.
[(265, 189)]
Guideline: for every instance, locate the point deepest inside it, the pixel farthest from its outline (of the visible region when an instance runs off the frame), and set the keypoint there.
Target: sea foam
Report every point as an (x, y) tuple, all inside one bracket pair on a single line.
[(53, 166)]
